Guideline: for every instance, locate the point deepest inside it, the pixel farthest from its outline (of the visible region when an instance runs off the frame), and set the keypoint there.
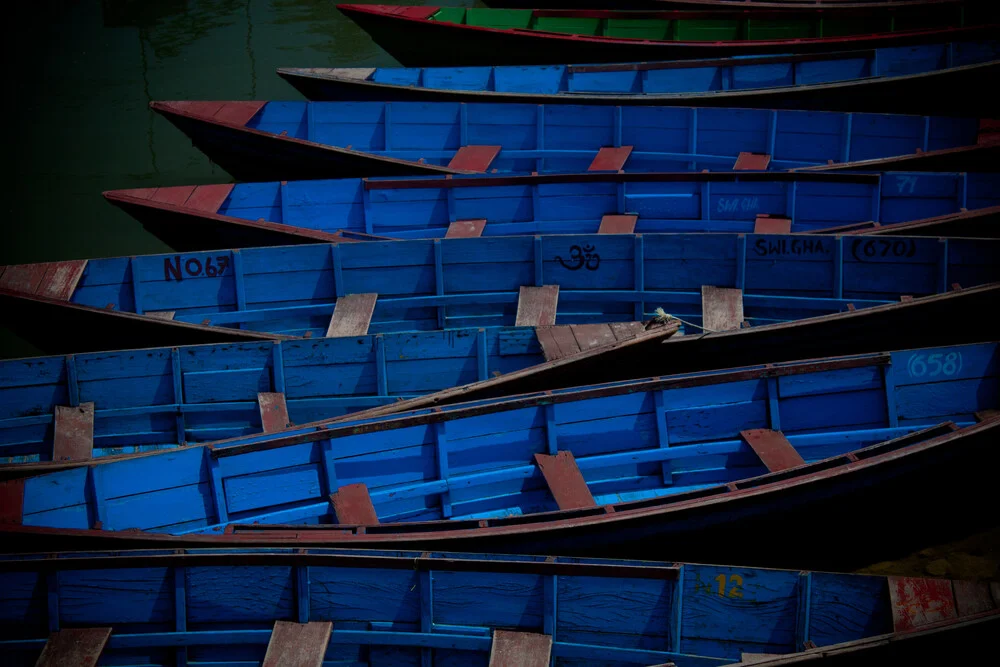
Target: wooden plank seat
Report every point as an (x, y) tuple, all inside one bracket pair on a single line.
[(565, 481), (474, 158), (618, 224), (610, 158), (772, 224), (464, 229), (74, 647), (352, 504), (351, 315), (273, 411), (520, 649), (73, 437), (297, 644), (721, 308), (773, 449), (752, 161), (536, 306)]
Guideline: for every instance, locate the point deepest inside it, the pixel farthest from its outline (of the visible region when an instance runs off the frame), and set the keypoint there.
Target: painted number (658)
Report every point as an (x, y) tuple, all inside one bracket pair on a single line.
[(932, 365)]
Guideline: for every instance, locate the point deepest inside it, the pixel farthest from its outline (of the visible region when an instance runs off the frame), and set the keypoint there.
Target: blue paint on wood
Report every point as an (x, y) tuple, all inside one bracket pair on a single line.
[(625, 442)]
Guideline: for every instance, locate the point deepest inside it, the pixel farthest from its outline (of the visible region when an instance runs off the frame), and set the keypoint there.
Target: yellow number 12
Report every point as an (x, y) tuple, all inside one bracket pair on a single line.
[(735, 585)]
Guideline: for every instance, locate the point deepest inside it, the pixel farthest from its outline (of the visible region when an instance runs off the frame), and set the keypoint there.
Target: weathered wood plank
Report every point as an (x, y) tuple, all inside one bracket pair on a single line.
[(60, 279), (273, 411), (752, 161), (12, 501), (917, 602), (298, 644), (626, 330), (618, 224), (474, 158), (162, 314), (721, 308), (73, 439), (536, 306), (973, 597), (353, 505), (74, 647), (561, 341), (565, 481), (772, 224), (352, 315), (465, 229), (610, 158), (773, 449), (520, 649)]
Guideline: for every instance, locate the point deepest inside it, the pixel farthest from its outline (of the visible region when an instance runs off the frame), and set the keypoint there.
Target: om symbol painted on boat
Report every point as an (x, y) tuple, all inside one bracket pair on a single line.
[(580, 257)]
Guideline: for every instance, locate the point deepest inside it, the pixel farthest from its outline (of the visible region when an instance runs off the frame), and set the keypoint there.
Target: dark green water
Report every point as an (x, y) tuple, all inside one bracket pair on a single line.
[(78, 121)]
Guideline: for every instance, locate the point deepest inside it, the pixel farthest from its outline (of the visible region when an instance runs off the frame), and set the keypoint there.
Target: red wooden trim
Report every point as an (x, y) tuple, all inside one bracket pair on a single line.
[(464, 229), (751, 161), (973, 597), (12, 501), (565, 481), (772, 224), (721, 308), (554, 39), (273, 411), (917, 602), (23, 278), (208, 198), (298, 644), (610, 158), (175, 195), (352, 505), (520, 649), (773, 449), (351, 315), (474, 158), (74, 647), (74, 433), (536, 306), (617, 224)]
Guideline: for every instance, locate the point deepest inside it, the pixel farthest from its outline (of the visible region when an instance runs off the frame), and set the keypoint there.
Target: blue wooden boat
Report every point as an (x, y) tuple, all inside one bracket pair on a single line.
[(387, 608), (446, 36), (387, 286), (929, 79), (142, 400), (272, 141), (709, 464), (242, 215), (148, 399), (981, 223)]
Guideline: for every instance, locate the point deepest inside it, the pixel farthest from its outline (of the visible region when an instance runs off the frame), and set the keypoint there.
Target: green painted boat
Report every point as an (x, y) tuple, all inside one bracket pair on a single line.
[(442, 36)]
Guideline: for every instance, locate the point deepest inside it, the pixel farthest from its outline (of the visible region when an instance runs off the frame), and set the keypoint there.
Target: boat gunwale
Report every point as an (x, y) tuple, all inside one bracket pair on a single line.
[(624, 41), (590, 97), (544, 522)]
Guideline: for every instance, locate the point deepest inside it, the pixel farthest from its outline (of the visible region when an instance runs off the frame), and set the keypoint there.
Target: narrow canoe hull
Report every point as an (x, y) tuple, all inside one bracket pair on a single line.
[(302, 140), (407, 40), (251, 155), (288, 213), (901, 325), (884, 491), (280, 606), (947, 92)]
